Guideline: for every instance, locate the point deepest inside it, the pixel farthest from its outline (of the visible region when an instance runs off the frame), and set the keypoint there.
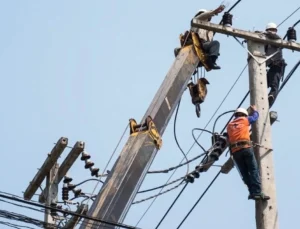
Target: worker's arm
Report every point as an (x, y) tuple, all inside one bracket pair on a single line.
[(254, 116), (205, 16)]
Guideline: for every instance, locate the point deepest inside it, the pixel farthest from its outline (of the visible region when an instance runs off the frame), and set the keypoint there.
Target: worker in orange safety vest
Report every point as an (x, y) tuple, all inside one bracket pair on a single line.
[(242, 151)]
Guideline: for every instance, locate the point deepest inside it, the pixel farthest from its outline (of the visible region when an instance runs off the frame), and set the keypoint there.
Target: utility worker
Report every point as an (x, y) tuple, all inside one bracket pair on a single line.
[(276, 63), (242, 151), (210, 46)]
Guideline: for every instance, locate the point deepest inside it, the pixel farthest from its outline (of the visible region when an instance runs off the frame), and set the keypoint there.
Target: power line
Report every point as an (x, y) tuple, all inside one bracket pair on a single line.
[(176, 167), (211, 183), (12, 225), (171, 205), (66, 212), (288, 16)]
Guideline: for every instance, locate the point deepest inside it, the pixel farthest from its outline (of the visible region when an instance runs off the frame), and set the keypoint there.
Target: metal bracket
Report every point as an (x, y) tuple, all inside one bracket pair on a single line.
[(147, 127)]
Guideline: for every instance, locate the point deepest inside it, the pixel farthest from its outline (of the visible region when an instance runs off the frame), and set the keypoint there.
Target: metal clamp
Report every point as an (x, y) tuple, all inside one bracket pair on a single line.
[(147, 127)]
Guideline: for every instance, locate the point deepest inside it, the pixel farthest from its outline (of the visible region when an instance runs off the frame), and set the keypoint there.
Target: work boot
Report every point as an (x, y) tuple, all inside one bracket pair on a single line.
[(260, 196), (211, 61), (176, 51), (271, 100)]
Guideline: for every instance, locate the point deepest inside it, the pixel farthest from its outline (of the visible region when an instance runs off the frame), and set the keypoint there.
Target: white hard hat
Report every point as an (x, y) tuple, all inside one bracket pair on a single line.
[(202, 11), (241, 110), (271, 25)]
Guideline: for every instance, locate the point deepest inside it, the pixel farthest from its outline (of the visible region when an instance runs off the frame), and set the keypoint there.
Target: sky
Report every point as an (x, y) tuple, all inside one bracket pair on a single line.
[(82, 69)]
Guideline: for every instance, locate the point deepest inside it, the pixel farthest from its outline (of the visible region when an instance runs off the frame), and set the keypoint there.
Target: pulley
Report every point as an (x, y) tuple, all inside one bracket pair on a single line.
[(227, 19), (291, 35)]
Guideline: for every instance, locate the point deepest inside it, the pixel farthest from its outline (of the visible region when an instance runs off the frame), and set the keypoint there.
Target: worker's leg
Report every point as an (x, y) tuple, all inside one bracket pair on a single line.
[(212, 50), (273, 79), (240, 162), (252, 168)]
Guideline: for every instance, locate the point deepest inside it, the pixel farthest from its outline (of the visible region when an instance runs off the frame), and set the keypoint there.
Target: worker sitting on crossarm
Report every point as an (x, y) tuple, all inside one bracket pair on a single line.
[(242, 151), (210, 46), (276, 63)]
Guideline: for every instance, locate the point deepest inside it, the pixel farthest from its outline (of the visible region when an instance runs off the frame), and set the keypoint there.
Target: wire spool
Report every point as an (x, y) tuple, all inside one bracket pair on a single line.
[(227, 19), (291, 35)]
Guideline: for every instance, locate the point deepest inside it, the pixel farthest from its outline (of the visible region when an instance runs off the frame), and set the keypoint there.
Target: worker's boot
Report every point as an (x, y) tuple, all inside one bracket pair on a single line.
[(271, 100), (211, 61), (176, 51), (260, 196)]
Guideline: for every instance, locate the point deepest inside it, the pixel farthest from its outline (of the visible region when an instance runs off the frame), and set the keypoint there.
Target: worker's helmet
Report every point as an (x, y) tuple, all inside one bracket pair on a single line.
[(271, 26), (241, 110), (200, 12)]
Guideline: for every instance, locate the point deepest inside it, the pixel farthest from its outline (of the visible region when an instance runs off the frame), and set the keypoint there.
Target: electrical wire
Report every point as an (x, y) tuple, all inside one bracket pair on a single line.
[(92, 179), (171, 205), (215, 123), (22, 206), (66, 212), (159, 194), (12, 225), (175, 167), (288, 16), (161, 186), (176, 140), (208, 187)]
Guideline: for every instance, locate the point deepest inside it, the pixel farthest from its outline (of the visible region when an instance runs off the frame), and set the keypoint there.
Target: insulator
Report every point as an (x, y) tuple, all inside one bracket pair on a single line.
[(215, 137), (94, 171), (71, 186), (196, 174), (199, 168), (291, 34), (65, 192), (85, 156), (67, 179), (88, 164), (53, 212), (227, 19), (77, 192), (189, 178)]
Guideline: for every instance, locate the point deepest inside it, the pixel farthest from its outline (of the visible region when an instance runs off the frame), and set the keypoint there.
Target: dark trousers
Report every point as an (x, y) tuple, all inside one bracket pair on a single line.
[(273, 79), (247, 164), (212, 48)]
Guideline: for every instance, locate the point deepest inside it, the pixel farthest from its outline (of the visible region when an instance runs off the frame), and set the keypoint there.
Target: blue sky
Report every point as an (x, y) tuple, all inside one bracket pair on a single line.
[(81, 69)]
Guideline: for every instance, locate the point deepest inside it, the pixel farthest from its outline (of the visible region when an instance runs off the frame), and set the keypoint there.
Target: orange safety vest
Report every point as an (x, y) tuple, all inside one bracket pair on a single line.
[(238, 131)]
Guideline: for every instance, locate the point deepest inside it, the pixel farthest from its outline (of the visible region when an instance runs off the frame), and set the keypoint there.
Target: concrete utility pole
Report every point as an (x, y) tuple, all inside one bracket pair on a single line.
[(266, 211), (52, 191), (53, 174), (123, 182)]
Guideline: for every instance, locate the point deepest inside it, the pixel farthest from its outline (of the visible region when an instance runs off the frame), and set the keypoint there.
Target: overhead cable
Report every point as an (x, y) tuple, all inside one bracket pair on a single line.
[(67, 212)]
